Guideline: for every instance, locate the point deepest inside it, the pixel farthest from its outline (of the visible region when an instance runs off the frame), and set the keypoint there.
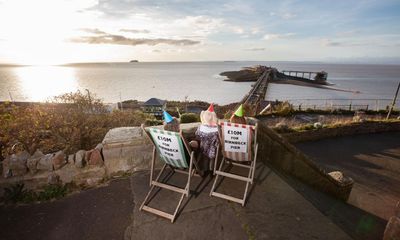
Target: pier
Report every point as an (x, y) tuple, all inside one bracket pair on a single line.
[(306, 75), (257, 93)]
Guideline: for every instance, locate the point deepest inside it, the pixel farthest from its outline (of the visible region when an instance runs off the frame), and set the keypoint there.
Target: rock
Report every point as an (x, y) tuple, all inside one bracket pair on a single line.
[(244, 75), (91, 182), (122, 134), (45, 163), (80, 159), (95, 158), (33, 161), (58, 160), (87, 156), (338, 176), (392, 230), (16, 164), (71, 159), (53, 179), (317, 125), (94, 173), (126, 149), (99, 146), (123, 158), (68, 173), (6, 168)]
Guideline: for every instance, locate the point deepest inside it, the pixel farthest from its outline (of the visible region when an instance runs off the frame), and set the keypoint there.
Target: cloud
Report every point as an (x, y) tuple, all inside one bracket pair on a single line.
[(283, 15), (330, 43), (156, 51), (134, 30), (122, 40), (273, 36), (92, 30), (254, 49)]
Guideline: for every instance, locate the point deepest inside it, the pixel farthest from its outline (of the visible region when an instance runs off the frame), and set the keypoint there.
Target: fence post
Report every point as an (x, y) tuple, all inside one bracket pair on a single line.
[(350, 105), (394, 102)]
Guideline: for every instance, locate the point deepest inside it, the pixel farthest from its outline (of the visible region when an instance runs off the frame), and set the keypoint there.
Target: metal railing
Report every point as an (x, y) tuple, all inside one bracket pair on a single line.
[(343, 104)]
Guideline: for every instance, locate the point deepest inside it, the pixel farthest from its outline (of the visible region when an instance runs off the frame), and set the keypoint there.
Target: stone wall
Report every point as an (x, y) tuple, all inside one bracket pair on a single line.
[(277, 152), (128, 149), (123, 150)]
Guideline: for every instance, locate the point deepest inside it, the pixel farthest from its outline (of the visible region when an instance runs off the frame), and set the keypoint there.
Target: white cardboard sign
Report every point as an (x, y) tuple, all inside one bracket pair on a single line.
[(235, 139), (168, 145)]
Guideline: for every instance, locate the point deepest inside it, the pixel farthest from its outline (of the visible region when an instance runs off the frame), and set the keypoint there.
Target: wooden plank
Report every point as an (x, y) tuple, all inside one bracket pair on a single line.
[(241, 165), (227, 197), (234, 176), (158, 212), (169, 187)]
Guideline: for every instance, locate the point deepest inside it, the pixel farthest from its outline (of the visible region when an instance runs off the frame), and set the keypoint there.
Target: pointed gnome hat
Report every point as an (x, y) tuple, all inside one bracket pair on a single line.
[(167, 117), (209, 117), (239, 111), (211, 108)]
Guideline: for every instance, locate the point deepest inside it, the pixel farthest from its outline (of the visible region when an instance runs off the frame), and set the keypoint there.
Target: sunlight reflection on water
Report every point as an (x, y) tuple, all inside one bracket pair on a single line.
[(39, 83)]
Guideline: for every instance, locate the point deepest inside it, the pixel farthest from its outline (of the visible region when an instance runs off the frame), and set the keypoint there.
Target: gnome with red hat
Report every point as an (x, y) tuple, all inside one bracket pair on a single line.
[(207, 140)]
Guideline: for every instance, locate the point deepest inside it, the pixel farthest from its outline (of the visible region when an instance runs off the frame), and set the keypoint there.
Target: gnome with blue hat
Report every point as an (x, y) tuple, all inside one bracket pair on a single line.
[(170, 123)]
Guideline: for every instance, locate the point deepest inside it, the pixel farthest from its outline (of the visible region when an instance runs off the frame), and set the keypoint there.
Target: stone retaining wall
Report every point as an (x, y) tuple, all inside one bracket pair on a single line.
[(276, 151), (128, 149), (123, 150)]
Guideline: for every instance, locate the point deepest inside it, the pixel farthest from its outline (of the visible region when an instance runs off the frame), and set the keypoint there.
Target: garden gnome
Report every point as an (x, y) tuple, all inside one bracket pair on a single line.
[(238, 116), (207, 140), (170, 123)]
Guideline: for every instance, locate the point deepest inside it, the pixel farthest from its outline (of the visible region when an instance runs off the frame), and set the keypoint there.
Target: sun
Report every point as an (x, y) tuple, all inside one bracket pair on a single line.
[(37, 32)]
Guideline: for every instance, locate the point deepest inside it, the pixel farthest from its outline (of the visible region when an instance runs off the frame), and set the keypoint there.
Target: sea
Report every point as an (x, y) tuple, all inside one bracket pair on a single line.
[(188, 81)]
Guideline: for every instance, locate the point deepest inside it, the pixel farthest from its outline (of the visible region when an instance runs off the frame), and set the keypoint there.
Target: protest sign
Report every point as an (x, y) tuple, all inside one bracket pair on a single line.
[(235, 139)]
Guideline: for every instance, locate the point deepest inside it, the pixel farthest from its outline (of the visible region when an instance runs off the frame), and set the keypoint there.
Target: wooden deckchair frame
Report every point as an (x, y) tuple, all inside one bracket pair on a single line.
[(248, 179), (157, 183)]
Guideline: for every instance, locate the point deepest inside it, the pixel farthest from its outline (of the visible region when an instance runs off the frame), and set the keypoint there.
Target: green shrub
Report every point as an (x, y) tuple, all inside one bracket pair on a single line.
[(189, 118), (71, 122), (153, 122), (284, 109), (18, 194), (52, 192)]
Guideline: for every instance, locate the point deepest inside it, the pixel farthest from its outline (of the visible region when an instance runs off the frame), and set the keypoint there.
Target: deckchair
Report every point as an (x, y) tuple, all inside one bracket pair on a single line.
[(172, 149), (239, 148)]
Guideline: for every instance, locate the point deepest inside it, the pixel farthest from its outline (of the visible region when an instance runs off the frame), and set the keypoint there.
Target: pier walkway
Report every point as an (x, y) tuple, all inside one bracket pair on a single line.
[(258, 91)]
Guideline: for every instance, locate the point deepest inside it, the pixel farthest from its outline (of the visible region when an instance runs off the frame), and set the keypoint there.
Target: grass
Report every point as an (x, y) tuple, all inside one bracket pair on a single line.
[(335, 124), (17, 193)]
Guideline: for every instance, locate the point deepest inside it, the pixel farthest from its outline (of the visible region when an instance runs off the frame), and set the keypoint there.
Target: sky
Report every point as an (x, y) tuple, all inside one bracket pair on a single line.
[(65, 31)]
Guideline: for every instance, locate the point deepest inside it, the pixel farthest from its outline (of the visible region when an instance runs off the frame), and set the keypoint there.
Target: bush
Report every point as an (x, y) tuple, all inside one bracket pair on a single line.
[(284, 109), (190, 118), (18, 194), (281, 127), (52, 192), (71, 122)]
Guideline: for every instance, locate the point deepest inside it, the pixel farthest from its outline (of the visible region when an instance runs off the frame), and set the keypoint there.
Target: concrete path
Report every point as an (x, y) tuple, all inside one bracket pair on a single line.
[(373, 161), (275, 210)]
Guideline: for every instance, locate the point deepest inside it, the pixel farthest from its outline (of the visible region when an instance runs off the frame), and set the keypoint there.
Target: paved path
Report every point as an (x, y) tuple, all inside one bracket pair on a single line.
[(275, 210), (373, 161)]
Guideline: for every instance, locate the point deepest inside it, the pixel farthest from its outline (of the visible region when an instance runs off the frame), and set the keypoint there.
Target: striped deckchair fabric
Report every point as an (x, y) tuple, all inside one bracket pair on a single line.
[(236, 140), (170, 147), (174, 151), (239, 149)]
